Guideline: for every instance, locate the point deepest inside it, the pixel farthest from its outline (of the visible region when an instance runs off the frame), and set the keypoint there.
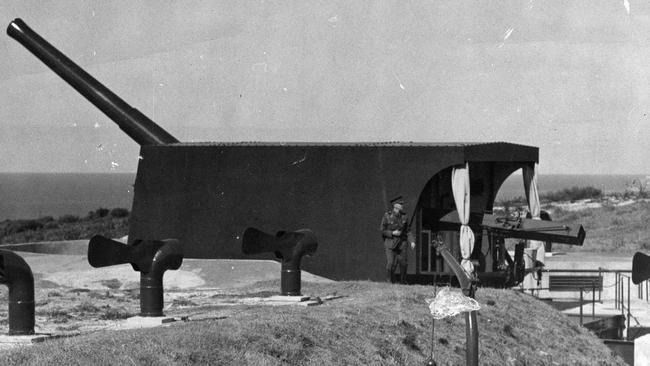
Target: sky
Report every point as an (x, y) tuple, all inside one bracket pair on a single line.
[(570, 77)]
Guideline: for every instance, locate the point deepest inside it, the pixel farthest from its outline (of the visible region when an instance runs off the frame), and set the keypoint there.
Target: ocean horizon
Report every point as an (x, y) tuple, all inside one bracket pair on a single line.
[(34, 195)]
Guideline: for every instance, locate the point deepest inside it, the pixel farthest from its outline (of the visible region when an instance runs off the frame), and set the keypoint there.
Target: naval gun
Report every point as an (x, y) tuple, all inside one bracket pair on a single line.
[(206, 195), (517, 227)]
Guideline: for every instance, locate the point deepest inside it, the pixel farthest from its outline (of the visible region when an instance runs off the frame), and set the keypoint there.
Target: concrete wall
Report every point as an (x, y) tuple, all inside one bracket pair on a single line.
[(642, 351)]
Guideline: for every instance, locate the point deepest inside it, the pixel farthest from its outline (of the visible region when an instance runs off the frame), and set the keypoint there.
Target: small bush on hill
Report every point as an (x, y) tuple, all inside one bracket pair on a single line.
[(564, 195), (51, 225), (67, 219), (115, 314), (46, 219), (119, 212), (638, 188), (19, 226), (513, 202), (111, 223), (572, 194), (98, 213)]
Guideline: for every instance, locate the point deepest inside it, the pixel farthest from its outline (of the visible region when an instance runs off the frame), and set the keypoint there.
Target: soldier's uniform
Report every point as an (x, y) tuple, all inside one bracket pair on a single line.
[(395, 246)]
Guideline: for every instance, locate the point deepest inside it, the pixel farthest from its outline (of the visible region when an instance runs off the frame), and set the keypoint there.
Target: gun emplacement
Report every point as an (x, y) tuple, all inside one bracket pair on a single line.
[(208, 194)]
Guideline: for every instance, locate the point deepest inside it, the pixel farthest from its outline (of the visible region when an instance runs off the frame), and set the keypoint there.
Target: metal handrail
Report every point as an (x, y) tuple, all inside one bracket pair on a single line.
[(580, 270), (593, 301), (621, 300), (619, 291)]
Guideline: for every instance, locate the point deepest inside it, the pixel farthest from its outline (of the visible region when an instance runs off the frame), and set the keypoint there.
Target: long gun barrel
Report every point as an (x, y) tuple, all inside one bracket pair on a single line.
[(138, 126), (522, 228)]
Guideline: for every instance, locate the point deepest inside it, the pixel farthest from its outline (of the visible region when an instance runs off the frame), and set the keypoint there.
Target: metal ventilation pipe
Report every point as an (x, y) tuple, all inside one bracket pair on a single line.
[(288, 247), (149, 257), (16, 274), (169, 256)]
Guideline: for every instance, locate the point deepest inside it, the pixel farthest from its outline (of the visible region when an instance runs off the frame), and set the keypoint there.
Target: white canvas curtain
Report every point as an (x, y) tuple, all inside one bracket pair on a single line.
[(460, 188), (530, 185)]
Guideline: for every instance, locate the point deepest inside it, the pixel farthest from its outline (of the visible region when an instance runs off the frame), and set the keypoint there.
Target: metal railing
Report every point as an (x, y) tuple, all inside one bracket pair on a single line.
[(593, 302), (620, 300), (599, 272), (622, 291)]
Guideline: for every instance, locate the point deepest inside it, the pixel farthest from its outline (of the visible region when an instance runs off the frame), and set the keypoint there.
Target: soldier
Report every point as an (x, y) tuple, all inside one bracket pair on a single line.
[(394, 231)]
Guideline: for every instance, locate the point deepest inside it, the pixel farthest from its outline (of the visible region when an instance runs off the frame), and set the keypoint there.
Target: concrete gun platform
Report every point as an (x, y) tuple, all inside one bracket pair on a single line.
[(73, 298)]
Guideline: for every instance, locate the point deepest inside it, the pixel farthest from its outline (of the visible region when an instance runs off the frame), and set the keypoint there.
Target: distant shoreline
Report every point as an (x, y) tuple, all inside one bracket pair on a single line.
[(30, 195)]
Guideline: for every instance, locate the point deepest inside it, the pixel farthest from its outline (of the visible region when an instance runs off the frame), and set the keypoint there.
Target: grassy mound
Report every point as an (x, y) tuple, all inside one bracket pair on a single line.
[(372, 324), (618, 229)]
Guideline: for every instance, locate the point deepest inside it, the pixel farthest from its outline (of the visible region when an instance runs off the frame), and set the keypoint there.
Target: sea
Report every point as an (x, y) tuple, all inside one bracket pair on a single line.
[(34, 195)]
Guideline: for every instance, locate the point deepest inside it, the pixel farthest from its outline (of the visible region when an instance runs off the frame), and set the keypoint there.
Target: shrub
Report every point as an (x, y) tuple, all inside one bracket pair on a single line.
[(181, 301), (115, 314), (68, 219), (46, 219), (113, 283), (19, 226), (72, 233), (58, 315), (119, 212), (102, 212), (572, 194), (51, 225), (98, 213), (86, 307), (513, 202)]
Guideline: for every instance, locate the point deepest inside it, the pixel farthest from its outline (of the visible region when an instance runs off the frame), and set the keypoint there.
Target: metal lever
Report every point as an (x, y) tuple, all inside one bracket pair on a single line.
[(468, 285)]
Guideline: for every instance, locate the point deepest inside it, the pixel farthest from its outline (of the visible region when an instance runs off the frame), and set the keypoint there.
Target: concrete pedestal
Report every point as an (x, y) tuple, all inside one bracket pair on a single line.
[(642, 351)]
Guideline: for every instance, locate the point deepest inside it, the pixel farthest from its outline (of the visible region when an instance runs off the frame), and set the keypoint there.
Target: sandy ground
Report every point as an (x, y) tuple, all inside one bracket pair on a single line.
[(74, 298), (73, 271), (584, 204), (590, 203)]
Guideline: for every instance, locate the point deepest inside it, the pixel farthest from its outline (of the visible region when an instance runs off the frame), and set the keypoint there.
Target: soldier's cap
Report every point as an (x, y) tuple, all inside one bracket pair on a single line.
[(397, 200)]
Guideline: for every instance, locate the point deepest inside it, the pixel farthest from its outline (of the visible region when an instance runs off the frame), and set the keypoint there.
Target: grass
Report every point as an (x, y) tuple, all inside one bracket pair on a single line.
[(112, 313), (564, 195), (373, 324), (610, 229), (571, 194)]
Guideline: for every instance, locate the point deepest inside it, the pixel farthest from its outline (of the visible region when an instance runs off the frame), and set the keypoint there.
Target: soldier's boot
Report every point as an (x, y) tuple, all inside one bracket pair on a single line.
[(389, 276), (402, 275)]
